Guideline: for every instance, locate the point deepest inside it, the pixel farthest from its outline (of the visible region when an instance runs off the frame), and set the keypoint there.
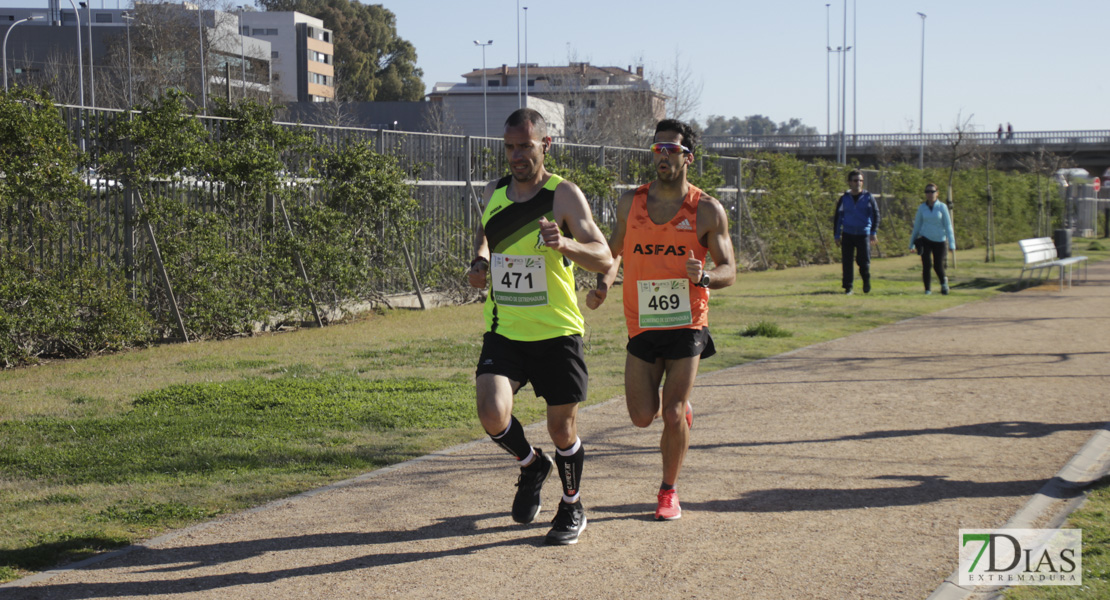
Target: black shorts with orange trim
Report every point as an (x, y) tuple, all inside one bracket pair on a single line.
[(672, 344)]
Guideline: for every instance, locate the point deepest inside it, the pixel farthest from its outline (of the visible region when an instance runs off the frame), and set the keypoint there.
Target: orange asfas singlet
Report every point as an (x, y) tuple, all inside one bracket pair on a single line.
[(657, 293)]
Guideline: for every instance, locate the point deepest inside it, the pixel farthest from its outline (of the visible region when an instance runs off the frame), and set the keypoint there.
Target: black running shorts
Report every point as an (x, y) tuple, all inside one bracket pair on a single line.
[(671, 344), (556, 367)]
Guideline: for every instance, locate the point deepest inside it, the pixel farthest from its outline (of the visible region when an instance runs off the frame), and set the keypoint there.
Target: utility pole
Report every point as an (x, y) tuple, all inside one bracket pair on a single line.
[(485, 110), (828, 51), (921, 110), (203, 77)]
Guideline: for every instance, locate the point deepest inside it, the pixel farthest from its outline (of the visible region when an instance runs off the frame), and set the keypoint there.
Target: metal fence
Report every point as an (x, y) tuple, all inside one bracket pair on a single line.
[(794, 143), (447, 171)]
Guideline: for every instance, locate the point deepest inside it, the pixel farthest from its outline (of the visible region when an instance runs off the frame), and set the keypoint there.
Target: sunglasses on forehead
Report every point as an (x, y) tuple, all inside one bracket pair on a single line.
[(669, 148)]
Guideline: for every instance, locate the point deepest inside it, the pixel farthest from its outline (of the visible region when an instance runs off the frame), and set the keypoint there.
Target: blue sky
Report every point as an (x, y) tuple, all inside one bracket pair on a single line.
[(1038, 65)]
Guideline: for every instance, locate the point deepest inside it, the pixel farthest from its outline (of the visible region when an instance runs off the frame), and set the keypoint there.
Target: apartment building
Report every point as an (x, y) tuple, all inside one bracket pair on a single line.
[(301, 54), (284, 55), (586, 94)]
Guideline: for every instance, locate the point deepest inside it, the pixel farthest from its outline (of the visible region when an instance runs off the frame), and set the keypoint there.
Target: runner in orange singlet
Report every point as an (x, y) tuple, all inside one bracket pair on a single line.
[(664, 231)]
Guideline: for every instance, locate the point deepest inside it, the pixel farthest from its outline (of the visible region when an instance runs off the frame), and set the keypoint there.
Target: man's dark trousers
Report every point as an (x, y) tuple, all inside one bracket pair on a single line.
[(860, 246)]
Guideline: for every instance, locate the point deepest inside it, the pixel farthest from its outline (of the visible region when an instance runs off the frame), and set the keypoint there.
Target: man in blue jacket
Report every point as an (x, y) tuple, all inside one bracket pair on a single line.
[(855, 223)]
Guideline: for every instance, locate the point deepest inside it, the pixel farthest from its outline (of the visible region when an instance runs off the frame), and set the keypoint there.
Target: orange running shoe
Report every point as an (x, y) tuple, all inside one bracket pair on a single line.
[(668, 509), (689, 416)]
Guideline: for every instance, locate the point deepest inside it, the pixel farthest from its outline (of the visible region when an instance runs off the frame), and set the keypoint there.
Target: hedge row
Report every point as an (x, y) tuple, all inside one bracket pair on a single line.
[(233, 234)]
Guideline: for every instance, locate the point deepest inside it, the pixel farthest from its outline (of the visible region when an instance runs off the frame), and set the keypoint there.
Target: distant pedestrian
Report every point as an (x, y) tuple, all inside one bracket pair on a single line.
[(932, 236), (1009, 131), (856, 220), (1000, 131)]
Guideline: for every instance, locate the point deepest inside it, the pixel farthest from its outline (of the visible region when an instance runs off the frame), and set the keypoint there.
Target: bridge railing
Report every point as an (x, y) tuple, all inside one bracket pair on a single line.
[(820, 142)]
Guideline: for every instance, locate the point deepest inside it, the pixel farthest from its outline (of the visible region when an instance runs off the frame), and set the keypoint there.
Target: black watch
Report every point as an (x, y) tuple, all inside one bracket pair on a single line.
[(704, 281)]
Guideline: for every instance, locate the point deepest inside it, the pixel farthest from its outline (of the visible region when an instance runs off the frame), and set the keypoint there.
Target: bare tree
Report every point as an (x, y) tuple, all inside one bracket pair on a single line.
[(1045, 164), (57, 76), (681, 87), (614, 117), (440, 119), (959, 150)]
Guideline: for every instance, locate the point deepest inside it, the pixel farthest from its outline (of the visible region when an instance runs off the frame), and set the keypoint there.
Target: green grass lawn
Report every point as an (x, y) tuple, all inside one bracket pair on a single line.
[(103, 452), (1094, 519)]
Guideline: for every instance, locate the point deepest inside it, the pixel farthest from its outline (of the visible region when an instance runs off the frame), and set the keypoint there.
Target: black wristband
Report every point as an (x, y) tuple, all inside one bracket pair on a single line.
[(478, 260)]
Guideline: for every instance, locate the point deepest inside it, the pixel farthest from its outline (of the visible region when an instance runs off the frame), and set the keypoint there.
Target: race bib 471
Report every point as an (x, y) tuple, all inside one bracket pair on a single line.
[(519, 280)]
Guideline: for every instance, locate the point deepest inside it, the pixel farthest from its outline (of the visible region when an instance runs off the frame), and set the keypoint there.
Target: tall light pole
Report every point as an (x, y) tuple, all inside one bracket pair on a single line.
[(80, 63), (242, 54), (5, 45), (839, 81), (80, 69), (88, 20), (519, 89), (203, 77), (131, 101), (485, 111), (526, 55), (828, 51), (855, 57), (844, 90), (921, 109)]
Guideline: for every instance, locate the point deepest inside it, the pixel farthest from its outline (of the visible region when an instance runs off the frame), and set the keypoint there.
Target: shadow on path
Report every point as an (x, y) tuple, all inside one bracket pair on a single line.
[(929, 489), (181, 560), (998, 429)]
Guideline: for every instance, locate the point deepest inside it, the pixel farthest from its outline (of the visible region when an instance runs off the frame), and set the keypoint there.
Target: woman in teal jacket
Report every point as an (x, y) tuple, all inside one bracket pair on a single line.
[(932, 237)]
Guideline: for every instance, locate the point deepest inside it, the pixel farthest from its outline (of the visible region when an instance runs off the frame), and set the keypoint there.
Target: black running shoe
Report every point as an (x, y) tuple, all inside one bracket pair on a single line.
[(526, 504), (568, 524)]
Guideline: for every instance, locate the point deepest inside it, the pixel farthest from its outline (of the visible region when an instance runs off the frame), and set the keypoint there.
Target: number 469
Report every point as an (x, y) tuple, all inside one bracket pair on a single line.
[(663, 302)]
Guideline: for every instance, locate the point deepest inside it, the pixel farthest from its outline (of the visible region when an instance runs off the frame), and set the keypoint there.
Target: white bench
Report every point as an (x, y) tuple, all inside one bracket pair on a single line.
[(1040, 254)]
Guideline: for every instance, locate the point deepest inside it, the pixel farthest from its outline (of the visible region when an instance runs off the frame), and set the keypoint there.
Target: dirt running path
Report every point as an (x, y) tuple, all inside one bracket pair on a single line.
[(842, 470)]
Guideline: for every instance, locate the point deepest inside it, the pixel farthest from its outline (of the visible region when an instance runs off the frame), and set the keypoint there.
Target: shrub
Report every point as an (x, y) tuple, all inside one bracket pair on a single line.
[(766, 329)]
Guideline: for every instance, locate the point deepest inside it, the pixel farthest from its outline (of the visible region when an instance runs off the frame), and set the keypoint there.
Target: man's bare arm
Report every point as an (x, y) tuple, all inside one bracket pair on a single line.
[(587, 247), (596, 296), (713, 225), (479, 267)]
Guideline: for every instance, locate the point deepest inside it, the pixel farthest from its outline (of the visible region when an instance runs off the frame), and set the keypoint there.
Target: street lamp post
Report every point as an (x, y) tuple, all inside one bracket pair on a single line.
[(844, 91), (921, 109), (828, 51), (525, 55), (203, 76), (519, 87), (485, 111), (130, 95), (839, 81), (242, 54), (88, 23), (4, 49), (80, 68)]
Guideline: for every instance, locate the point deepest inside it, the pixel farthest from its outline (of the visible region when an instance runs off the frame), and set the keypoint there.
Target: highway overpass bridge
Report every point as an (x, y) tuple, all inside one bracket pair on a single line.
[(1089, 150)]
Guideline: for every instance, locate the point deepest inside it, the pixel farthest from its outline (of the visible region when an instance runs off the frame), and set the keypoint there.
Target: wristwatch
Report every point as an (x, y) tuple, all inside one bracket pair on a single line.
[(704, 281)]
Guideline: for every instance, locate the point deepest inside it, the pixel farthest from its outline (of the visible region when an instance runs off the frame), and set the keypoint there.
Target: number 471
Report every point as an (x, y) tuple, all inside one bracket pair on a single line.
[(512, 280)]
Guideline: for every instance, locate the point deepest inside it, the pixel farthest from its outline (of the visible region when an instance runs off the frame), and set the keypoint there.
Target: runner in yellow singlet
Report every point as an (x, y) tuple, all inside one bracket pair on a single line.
[(535, 227)]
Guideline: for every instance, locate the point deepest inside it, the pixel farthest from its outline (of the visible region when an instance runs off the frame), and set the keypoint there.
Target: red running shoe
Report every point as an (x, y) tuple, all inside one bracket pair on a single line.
[(668, 509), (689, 416)]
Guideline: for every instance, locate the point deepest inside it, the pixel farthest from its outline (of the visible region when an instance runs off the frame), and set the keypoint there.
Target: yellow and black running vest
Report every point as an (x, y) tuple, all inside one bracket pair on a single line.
[(531, 286)]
